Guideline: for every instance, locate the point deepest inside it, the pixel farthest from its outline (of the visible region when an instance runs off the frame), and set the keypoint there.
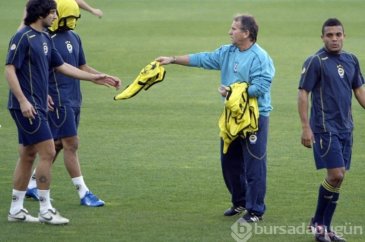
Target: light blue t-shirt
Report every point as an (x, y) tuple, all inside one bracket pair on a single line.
[(253, 66)]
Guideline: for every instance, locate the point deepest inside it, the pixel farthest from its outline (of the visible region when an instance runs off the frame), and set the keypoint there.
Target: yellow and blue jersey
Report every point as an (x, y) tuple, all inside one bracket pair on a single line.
[(33, 54), (253, 66), (331, 78)]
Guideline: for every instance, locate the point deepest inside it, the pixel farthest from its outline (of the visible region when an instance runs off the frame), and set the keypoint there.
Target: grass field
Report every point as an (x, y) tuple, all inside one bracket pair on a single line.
[(154, 158)]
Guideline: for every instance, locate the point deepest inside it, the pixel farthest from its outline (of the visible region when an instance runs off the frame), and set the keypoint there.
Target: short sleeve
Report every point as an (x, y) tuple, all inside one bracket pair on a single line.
[(82, 58), (56, 58), (311, 73), (17, 50), (358, 77)]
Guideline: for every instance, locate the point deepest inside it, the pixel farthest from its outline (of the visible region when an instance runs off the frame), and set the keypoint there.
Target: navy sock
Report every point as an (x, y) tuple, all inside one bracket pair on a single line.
[(325, 196), (330, 210)]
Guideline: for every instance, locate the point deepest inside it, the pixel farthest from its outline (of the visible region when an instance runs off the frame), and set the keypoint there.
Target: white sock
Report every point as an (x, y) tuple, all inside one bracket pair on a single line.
[(17, 201), (32, 181), (44, 200), (80, 185)]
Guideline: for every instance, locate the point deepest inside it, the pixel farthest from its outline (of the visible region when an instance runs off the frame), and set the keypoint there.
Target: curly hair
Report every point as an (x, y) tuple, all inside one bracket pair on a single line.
[(38, 8)]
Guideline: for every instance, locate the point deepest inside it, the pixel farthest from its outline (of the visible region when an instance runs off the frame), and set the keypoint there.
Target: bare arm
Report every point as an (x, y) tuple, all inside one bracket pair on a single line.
[(180, 60), (90, 69), (360, 95), (307, 138), (26, 107), (100, 78), (95, 11)]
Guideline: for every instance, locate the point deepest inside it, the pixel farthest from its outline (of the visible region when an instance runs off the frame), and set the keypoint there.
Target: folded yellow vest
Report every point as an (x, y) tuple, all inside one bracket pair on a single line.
[(151, 74), (240, 114)]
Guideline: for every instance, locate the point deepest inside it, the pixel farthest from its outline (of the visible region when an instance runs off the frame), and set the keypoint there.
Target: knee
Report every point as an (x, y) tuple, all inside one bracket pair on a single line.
[(336, 178), (27, 154), (31, 155), (50, 154), (71, 144)]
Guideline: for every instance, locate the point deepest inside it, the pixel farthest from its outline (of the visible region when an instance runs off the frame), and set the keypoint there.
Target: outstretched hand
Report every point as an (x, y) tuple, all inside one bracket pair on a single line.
[(164, 60), (106, 80)]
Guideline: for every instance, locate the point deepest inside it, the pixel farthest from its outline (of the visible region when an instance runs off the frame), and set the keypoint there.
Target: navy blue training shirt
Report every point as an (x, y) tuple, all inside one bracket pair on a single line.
[(65, 91), (33, 55), (331, 78)]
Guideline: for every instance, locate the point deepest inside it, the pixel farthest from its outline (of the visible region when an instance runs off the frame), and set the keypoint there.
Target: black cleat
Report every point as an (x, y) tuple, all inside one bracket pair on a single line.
[(234, 210)]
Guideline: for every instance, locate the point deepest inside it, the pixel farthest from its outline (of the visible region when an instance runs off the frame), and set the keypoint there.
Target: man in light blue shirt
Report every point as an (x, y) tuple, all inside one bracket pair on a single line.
[(244, 164)]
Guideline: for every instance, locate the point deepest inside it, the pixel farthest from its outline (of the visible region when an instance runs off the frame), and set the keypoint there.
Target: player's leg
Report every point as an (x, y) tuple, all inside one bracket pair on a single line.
[(21, 176), (32, 190), (335, 177), (64, 128), (46, 152), (332, 152), (27, 155), (71, 160), (30, 134), (255, 156), (234, 176), (47, 213), (44, 144)]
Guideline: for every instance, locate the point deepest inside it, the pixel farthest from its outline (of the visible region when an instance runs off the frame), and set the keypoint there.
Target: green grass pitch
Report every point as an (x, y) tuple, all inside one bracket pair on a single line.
[(154, 158)]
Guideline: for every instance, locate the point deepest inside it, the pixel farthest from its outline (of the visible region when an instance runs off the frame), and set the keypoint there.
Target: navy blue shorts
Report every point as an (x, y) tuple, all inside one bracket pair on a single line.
[(333, 150), (64, 121), (31, 131)]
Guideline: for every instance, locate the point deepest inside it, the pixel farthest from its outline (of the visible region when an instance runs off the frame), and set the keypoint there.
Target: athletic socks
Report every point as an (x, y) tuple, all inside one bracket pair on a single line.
[(325, 196), (80, 186), (44, 200), (17, 201), (330, 210)]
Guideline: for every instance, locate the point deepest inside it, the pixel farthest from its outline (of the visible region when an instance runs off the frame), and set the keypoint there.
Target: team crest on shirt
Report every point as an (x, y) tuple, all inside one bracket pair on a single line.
[(13, 47), (341, 71), (69, 47), (235, 67), (45, 48)]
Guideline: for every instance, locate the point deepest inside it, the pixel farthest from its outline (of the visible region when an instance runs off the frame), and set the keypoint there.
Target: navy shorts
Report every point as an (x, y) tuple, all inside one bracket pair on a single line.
[(333, 150), (31, 131), (64, 121)]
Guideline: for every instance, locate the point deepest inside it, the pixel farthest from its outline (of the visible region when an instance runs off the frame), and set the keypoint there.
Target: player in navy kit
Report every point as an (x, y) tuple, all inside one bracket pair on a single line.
[(31, 55), (330, 75), (65, 92)]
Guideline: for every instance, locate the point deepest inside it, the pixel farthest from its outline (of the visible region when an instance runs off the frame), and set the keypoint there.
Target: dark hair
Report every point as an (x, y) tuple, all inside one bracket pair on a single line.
[(248, 23), (332, 22), (38, 8)]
